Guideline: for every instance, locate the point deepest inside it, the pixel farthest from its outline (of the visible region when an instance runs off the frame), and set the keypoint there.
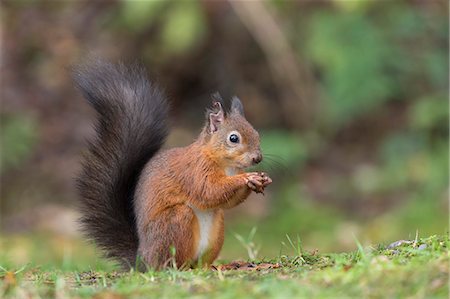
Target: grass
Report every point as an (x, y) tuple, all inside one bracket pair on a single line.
[(417, 269)]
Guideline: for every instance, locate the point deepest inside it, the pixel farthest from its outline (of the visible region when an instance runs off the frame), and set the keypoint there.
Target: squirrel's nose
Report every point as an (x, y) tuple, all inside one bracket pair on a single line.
[(258, 158)]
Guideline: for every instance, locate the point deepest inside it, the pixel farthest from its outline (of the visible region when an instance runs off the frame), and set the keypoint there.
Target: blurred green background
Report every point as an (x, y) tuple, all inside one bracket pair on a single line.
[(350, 98)]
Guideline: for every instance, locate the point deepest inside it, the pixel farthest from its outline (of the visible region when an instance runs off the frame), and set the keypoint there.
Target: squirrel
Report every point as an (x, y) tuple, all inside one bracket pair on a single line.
[(141, 203)]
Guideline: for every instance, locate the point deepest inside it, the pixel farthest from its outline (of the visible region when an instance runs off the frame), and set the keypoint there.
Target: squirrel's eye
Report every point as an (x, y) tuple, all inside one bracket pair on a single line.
[(234, 138)]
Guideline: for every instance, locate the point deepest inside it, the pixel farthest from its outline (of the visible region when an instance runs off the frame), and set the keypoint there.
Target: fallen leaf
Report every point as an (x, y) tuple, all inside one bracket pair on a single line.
[(347, 267), (9, 279)]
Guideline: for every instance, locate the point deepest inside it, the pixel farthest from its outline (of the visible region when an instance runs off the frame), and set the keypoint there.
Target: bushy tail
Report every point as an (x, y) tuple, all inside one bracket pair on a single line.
[(131, 128)]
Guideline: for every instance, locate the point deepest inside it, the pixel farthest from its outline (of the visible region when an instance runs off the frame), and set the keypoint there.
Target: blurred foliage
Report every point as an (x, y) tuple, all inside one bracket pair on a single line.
[(429, 113), (136, 15), (362, 58), (18, 139), (183, 25), (62, 252), (372, 162), (352, 56)]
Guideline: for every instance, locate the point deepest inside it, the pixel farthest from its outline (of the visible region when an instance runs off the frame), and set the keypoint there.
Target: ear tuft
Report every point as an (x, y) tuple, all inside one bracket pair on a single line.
[(216, 97), (236, 106), (216, 117)]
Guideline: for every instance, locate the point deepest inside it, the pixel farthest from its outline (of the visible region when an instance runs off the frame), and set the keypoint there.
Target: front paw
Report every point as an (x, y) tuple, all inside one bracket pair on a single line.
[(257, 181), (266, 180)]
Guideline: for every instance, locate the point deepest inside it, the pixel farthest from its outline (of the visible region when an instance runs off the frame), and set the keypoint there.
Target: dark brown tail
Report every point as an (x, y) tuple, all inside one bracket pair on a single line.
[(131, 128)]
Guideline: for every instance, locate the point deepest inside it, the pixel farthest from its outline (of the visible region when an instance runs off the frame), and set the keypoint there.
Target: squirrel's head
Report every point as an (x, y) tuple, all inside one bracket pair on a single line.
[(233, 139)]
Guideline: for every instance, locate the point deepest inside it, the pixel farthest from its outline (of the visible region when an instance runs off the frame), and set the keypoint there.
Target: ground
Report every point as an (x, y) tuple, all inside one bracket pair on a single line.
[(407, 269)]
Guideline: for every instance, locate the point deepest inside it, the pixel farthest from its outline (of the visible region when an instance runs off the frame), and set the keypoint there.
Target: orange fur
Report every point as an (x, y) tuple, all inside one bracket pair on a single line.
[(176, 180)]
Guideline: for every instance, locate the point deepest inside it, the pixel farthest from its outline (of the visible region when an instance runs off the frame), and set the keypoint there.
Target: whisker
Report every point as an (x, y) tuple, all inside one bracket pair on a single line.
[(280, 163), (274, 156), (277, 166)]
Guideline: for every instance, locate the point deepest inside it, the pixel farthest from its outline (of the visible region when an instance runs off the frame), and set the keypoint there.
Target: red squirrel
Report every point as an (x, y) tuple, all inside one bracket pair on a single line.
[(141, 203)]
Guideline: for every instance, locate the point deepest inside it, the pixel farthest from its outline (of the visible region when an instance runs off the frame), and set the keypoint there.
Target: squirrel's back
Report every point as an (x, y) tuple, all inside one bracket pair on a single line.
[(131, 128)]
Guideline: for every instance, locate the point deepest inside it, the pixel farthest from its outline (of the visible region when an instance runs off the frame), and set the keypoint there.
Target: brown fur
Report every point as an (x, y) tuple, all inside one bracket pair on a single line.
[(194, 176), (137, 200)]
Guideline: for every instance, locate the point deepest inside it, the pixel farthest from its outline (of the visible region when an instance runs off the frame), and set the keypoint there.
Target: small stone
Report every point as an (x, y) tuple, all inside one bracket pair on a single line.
[(398, 243), (422, 247)]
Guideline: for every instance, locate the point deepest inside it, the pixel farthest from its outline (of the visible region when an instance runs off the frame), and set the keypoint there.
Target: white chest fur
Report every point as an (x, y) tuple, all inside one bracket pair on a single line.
[(205, 222), (230, 171)]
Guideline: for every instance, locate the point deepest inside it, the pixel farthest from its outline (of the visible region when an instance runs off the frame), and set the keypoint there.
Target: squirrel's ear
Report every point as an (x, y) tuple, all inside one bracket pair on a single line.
[(236, 106), (216, 97), (216, 118)]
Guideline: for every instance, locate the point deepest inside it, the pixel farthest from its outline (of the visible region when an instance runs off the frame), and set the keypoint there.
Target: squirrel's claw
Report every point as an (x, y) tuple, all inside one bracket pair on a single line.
[(257, 181), (251, 186)]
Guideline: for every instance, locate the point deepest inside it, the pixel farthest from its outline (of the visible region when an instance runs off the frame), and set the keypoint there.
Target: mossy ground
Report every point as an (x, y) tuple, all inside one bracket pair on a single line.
[(415, 269)]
